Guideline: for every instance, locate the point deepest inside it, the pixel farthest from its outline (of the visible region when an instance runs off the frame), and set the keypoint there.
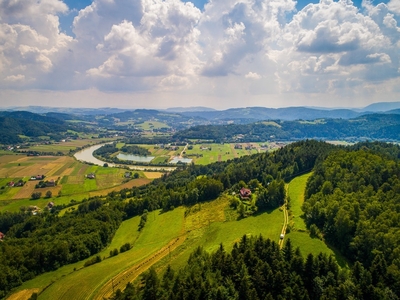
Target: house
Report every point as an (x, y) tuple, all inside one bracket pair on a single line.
[(51, 182), (91, 176), (128, 174), (11, 183), (37, 177), (238, 146), (2, 235), (50, 205), (245, 193), (20, 183)]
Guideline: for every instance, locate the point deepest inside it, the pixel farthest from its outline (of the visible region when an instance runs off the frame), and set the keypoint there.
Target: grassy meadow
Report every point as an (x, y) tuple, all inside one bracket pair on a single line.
[(299, 234)]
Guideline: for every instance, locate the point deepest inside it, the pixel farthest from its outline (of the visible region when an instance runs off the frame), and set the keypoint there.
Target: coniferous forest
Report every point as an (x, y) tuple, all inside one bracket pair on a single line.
[(352, 201)]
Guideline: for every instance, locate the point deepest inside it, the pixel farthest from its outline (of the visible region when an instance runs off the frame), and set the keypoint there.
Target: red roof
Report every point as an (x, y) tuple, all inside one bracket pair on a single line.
[(245, 193)]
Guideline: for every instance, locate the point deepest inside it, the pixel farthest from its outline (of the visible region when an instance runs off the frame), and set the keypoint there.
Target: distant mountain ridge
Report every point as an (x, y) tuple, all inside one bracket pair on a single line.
[(208, 115)]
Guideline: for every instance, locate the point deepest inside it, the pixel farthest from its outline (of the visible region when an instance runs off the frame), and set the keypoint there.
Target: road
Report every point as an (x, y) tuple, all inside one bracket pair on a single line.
[(184, 149)]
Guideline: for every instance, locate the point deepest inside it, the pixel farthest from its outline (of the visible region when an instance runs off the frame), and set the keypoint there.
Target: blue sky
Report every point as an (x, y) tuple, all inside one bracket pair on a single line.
[(228, 53)]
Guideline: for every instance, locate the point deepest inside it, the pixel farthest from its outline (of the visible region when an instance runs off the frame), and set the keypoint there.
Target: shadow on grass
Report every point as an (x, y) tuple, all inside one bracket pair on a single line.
[(341, 260), (258, 213)]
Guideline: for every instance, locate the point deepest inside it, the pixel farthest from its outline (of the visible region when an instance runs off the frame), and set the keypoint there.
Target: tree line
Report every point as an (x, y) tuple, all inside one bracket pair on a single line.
[(257, 269)]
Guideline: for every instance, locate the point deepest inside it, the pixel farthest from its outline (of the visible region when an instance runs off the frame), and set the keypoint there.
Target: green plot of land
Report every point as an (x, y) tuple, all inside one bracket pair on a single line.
[(148, 125), (90, 185), (73, 188), (296, 193), (158, 231), (315, 246), (299, 235), (268, 224), (15, 205), (8, 193), (204, 154)]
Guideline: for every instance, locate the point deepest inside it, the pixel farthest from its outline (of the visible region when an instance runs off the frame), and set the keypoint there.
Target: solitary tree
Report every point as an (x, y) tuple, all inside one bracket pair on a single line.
[(36, 195), (49, 194)]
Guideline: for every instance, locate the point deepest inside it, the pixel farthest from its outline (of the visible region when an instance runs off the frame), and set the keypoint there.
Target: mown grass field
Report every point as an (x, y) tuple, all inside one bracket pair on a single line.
[(204, 154), (296, 193), (299, 234), (62, 284)]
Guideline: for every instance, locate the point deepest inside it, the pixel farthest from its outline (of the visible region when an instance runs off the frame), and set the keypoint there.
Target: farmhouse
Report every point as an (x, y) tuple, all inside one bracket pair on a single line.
[(2, 236), (50, 205), (245, 193), (51, 183), (128, 174), (11, 183), (91, 176)]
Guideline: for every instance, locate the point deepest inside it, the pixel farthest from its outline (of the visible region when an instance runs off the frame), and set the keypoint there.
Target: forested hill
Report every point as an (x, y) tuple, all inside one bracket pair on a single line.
[(374, 126), (352, 201), (21, 123)]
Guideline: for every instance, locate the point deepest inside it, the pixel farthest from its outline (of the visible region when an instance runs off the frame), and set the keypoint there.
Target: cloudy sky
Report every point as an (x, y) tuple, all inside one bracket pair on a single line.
[(215, 53)]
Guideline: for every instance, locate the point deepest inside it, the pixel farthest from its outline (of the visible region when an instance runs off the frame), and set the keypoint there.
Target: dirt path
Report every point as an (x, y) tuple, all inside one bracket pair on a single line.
[(184, 149), (121, 280), (285, 218)]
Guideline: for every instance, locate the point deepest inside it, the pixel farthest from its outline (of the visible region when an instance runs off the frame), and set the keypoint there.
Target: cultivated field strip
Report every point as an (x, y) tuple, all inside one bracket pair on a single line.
[(121, 280)]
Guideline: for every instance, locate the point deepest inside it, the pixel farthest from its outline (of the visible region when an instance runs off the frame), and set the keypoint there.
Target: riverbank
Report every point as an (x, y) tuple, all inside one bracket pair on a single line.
[(86, 155)]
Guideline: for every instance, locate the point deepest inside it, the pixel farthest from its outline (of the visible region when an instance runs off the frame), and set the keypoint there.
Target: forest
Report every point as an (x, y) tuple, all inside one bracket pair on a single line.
[(351, 202), (374, 126)]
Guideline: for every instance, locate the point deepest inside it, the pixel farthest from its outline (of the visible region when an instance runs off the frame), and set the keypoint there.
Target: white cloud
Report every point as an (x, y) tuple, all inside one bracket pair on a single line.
[(30, 40), (394, 6), (232, 50), (252, 75)]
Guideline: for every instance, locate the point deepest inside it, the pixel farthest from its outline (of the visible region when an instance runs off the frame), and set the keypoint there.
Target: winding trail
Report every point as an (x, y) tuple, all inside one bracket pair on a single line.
[(285, 218)]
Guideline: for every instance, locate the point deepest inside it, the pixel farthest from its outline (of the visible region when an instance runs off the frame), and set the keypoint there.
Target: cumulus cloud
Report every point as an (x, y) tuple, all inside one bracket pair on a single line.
[(231, 49), (252, 75), (30, 40)]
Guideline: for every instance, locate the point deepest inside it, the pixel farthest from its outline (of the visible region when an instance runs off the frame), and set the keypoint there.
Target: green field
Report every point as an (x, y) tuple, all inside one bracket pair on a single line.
[(62, 284), (204, 154), (152, 125), (299, 234), (296, 193)]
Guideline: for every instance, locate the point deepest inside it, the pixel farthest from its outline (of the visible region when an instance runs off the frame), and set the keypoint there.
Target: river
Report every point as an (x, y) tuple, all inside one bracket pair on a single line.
[(86, 155)]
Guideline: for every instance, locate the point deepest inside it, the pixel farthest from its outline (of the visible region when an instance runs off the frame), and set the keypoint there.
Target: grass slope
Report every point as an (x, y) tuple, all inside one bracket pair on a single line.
[(63, 283), (299, 235)]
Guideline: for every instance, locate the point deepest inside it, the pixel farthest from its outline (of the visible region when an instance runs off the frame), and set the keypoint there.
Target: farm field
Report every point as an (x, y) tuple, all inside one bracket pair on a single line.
[(65, 147), (69, 174), (204, 154)]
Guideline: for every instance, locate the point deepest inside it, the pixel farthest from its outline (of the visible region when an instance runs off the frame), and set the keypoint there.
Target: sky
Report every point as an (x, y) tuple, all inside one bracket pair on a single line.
[(215, 53)]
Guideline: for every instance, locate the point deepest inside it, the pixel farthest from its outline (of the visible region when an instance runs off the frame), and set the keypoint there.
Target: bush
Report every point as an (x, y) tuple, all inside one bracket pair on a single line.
[(125, 247), (92, 261), (36, 195)]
